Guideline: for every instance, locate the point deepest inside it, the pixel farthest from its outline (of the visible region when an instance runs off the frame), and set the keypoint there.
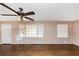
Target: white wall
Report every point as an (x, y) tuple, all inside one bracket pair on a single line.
[(76, 33)]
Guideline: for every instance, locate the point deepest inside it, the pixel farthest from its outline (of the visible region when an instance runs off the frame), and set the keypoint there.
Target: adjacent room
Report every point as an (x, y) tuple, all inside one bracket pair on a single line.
[(39, 29)]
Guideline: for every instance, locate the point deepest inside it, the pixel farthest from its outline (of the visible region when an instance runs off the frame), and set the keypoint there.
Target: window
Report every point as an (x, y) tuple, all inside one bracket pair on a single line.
[(20, 31), (30, 30), (62, 30), (6, 33), (34, 30)]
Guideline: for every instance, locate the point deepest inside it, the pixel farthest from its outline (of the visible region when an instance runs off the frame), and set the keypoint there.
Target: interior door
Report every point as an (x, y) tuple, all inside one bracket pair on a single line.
[(6, 34)]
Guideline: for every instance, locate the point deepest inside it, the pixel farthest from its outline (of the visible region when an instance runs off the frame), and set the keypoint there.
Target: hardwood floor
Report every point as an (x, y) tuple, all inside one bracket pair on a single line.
[(39, 50)]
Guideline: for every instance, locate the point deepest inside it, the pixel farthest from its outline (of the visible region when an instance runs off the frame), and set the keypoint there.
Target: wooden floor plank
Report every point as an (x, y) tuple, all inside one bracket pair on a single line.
[(39, 50)]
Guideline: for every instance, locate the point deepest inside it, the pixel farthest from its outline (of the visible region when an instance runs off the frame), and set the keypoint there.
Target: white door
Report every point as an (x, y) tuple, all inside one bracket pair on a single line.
[(6, 33)]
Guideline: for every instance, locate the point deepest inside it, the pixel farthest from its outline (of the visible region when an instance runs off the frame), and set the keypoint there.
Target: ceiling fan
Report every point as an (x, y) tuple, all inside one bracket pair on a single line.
[(18, 13)]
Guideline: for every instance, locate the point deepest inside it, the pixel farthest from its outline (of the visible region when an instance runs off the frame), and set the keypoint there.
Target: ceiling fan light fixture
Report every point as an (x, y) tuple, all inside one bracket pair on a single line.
[(18, 18)]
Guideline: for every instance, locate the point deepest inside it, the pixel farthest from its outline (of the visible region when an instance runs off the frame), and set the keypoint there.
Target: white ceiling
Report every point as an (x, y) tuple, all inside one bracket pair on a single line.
[(44, 11)]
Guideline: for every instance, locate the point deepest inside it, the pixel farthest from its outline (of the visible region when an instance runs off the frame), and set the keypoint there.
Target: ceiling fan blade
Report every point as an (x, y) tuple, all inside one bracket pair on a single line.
[(29, 18), (8, 14), (8, 7), (29, 13)]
